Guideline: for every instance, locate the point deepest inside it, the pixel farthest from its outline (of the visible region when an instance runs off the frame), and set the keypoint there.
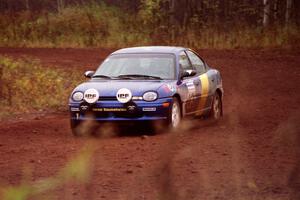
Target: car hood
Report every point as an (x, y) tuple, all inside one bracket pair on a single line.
[(137, 87)]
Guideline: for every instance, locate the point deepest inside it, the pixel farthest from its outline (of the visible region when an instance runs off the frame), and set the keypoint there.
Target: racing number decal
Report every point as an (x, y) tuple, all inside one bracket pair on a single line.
[(191, 102), (191, 89), (204, 92)]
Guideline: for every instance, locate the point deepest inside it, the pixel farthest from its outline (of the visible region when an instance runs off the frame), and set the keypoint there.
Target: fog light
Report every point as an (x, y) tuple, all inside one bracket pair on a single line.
[(77, 96)]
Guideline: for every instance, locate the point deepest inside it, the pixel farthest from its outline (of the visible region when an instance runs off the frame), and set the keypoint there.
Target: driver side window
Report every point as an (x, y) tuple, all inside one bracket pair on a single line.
[(196, 62), (184, 62)]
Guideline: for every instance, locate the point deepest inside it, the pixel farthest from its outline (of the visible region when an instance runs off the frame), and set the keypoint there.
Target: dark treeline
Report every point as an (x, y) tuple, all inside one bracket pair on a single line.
[(166, 21), (247, 12), (56, 5)]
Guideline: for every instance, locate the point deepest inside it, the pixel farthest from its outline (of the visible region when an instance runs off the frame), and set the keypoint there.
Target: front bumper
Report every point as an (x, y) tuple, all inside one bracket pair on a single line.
[(113, 110)]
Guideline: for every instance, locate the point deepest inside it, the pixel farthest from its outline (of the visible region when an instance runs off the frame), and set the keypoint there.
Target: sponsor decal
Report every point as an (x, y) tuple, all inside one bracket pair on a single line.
[(91, 95), (191, 88), (171, 87), (131, 108), (74, 109), (151, 109), (124, 95), (109, 109), (84, 107)]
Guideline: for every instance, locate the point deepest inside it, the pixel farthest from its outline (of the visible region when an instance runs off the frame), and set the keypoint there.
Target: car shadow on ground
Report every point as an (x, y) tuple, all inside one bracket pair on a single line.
[(108, 130), (133, 129)]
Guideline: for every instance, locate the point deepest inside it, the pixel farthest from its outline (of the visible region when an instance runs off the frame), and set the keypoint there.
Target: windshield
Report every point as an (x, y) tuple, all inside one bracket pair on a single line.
[(138, 66)]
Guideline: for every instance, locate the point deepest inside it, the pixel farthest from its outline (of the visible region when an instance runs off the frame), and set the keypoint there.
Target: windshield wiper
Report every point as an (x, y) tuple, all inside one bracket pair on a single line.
[(139, 76), (101, 76)]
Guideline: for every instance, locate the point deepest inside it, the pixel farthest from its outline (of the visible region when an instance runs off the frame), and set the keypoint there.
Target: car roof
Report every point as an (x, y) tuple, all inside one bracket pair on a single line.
[(150, 49)]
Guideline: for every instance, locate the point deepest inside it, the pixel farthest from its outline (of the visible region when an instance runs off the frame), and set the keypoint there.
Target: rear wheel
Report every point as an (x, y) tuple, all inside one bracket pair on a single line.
[(216, 107)]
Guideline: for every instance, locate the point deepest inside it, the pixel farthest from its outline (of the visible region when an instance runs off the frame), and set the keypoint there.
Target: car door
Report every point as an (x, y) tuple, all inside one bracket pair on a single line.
[(188, 83), (203, 83)]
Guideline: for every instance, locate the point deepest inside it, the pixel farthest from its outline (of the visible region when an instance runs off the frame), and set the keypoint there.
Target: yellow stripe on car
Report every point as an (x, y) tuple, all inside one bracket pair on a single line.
[(204, 92)]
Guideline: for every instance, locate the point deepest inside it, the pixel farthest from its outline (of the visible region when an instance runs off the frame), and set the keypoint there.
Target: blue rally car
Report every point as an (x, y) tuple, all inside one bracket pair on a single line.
[(148, 84)]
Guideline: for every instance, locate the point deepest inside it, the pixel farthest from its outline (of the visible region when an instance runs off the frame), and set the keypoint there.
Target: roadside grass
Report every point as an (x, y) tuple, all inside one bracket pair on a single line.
[(27, 86)]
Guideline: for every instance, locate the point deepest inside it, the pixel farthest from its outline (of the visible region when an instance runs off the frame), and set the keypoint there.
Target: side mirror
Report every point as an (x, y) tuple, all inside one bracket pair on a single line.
[(89, 74), (187, 73)]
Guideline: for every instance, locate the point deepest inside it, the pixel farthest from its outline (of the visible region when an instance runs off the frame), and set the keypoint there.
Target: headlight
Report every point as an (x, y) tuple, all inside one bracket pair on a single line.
[(150, 96), (77, 96)]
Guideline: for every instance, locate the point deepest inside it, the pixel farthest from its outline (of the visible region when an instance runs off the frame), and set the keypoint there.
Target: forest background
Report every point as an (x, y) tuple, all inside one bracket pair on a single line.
[(120, 23)]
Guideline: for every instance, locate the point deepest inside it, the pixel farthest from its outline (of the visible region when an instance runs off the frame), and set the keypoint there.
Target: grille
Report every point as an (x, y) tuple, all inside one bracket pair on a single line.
[(110, 98)]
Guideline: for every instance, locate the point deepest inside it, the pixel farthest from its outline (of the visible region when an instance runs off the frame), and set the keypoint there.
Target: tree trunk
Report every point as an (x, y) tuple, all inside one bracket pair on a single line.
[(266, 15), (27, 4), (296, 7), (288, 12), (60, 5), (275, 11), (172, 19), (1, 81)]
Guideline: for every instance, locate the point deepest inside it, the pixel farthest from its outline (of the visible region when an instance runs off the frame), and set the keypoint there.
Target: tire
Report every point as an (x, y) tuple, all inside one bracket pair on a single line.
[(216, 111), (174, 115)]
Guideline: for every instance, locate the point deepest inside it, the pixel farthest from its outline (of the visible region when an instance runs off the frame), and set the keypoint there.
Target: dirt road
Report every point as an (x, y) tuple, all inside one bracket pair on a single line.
[(253, 153)]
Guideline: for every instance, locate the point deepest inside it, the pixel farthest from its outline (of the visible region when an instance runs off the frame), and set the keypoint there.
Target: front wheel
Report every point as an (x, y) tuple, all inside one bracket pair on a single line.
[(175, 114), (216, 107)]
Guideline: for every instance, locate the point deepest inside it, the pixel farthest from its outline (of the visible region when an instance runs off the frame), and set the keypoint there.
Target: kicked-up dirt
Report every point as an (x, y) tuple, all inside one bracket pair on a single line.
[(252, 153)]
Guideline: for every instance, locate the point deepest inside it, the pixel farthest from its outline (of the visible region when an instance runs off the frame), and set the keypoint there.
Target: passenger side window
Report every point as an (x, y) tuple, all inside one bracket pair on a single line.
[(184, 62), (196, 62)]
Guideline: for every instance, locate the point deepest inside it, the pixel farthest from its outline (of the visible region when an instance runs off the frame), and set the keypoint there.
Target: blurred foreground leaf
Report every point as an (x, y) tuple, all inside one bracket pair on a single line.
[(77, 169)]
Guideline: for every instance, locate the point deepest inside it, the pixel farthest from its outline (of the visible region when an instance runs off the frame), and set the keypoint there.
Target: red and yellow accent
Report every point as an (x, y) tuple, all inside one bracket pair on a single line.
[(204, 92)]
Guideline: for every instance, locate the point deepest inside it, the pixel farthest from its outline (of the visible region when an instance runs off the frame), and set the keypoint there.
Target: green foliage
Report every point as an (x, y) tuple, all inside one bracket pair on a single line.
[(192, 24), (76, 26), (27, 86), (242, 38), (79, 169), (149, 12)]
